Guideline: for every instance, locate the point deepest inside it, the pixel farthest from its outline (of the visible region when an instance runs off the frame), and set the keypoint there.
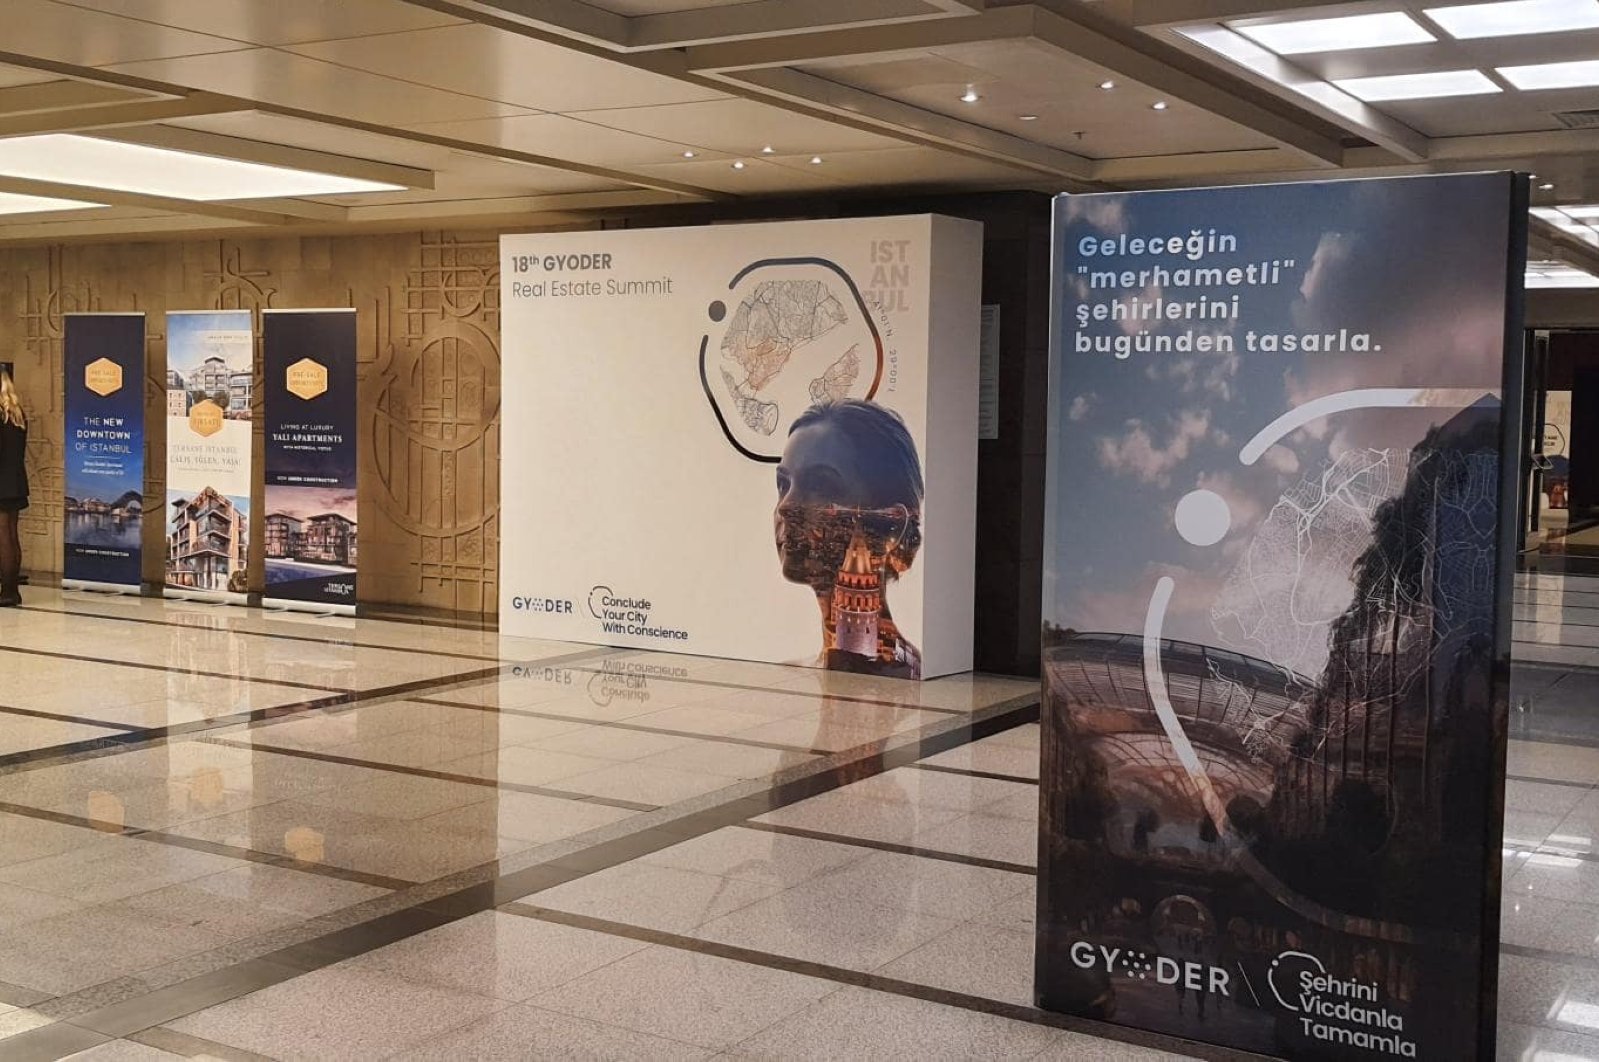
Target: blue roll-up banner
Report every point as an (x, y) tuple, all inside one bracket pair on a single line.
[(104, 505), (1282, 538), (311, 518)]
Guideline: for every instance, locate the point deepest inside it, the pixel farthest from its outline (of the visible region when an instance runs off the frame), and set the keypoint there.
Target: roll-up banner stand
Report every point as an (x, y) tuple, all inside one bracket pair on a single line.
[(1280, 546), (210, 389), (103, 509), (308, 359)]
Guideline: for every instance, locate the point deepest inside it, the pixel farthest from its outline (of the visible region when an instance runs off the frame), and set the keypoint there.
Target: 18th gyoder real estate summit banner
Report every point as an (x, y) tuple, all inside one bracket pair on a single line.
[(1280, 538)]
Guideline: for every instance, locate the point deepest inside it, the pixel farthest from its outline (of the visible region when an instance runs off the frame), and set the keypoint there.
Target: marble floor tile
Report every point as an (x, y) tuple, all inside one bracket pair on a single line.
[(1076, 1047), (684, 996), (801, 923), (850, 816), (726, 760), (1009, 840), (114, 869), (983, 756), (124, 1051), (774, 859), (249, 900), (610, 744), (974, 959), (657, 897), (93, 945), (912, 883), (526, 817), (337, 1013), (525, 766), (401, 796), (879, 1025), (936, 789), (646, 784), (506, 956), (532, 1032)]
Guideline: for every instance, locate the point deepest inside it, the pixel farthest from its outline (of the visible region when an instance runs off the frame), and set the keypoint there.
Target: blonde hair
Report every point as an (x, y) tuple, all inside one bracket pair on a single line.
[(10, 405)]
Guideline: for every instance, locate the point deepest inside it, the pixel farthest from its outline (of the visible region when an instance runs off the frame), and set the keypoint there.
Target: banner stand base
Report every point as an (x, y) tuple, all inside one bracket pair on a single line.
[(202, 597), (101, 588), (310, 608)]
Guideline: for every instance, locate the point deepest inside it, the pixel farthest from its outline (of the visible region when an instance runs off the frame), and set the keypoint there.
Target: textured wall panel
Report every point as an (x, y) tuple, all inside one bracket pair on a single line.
[(429, 383)]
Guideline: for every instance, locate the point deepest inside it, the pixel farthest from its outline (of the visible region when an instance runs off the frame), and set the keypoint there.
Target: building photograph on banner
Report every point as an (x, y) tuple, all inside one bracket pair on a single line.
[(1276, 635), (308, 403), (210, 391), (103, 506), (750, 441)]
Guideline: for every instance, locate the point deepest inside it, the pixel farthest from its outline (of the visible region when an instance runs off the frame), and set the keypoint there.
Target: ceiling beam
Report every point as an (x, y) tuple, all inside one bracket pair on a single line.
[(64, 94), (116, 115), (1209, 165), (913, 124), (694, 26), (253, 215), (195, 141), (488, 151), (515, 205), (1176, 12), (1562, 246), (996, 24)]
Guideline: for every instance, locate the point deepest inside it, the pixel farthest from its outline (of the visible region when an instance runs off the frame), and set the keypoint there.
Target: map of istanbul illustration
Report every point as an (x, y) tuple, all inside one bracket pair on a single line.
[(795, 332)]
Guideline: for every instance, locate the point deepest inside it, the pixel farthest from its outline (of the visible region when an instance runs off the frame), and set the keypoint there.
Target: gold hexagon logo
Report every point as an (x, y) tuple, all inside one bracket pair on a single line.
[(103, 377), (307, 379), (205, 419)]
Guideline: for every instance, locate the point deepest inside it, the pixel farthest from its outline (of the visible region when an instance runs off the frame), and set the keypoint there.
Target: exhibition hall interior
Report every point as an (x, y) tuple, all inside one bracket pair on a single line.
[(794, 529)]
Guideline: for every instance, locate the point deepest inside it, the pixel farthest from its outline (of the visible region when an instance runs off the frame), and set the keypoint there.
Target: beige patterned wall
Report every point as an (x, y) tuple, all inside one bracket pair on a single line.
[(429, 383)]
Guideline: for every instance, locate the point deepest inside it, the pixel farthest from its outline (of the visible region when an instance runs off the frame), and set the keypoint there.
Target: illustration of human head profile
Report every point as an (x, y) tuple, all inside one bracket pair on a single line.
[(848, 522)]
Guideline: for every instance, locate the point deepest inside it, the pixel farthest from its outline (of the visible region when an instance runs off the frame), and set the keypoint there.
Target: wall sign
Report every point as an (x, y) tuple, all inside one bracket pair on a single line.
[(210, 395), (1281, 535), (103, 358), (755, 441), (311, 523)]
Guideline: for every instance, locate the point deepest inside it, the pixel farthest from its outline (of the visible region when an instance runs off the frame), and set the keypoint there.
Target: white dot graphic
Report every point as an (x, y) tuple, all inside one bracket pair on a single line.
[(1203, 517)]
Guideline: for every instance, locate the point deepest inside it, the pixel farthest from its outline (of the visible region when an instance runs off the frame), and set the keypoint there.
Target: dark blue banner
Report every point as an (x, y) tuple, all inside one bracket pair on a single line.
[(104, 503), (311, 519), (1280, 552)]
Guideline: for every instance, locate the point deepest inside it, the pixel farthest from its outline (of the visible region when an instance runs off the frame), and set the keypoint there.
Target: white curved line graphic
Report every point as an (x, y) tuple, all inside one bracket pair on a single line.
[(1363, 398), (1160, 699)]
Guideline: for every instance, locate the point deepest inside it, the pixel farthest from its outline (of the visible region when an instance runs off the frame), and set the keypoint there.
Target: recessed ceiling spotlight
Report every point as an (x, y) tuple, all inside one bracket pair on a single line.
[(1159, 105), (816, 160), (1028, 117), (970, 96), (688, 154), (739, 165), (1107, 85), (1547, 186), (768, 150)]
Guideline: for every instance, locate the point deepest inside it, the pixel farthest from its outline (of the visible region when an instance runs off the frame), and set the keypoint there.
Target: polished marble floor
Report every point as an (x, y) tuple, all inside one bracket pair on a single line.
[(239, 835)]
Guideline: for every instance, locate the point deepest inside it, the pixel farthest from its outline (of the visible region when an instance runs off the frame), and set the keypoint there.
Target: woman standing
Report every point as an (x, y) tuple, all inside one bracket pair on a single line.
[(13, 488)]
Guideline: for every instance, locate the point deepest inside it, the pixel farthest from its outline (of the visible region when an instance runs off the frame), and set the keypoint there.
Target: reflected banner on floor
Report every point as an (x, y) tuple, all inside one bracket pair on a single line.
[(1276, 640), (750, 441), (210, 437), (103, 506), (311, 524)]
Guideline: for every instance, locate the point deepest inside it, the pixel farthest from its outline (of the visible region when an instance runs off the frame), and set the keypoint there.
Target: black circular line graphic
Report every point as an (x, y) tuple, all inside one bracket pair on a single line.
[(705, 341)]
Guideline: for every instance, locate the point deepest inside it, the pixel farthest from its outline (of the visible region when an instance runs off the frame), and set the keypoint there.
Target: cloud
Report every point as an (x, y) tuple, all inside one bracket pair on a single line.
[(1081, 406), (1281, 459), (1136, 452), (1107, 213)]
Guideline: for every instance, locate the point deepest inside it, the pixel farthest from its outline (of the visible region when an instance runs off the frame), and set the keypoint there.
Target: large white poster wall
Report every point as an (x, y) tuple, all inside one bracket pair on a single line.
[(748, 441)]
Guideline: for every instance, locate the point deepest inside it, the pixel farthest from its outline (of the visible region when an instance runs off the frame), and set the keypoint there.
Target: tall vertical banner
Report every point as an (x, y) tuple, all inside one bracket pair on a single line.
[(751, 441), (210, 391), (1281, 538), (308, 365), (103, 357)]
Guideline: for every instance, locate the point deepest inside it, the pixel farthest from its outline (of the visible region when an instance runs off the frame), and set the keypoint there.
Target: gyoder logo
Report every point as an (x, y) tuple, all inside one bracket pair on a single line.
[(558, 606)]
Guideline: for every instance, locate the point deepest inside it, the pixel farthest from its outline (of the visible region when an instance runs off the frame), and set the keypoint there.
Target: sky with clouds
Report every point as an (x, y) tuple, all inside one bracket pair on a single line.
[(1419, 263)]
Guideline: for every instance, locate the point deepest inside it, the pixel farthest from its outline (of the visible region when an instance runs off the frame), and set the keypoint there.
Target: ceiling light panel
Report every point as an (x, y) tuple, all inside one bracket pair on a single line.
[(1419, 86), (1337, 34), (33, 204), (1582, 74), (1515, 18), (88, 161)]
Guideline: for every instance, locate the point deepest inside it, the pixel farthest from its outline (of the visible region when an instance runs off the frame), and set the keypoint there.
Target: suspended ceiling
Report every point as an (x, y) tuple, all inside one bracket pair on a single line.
[(543, 111)]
